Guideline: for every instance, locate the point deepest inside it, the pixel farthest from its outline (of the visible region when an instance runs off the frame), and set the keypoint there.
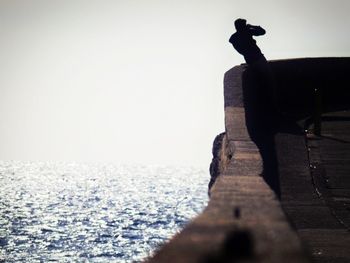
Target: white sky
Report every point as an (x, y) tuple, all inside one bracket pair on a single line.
[(138, 81)]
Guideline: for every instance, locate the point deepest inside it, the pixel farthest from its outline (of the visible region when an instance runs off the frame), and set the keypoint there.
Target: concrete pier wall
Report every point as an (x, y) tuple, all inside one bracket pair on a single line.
[(244, 220)]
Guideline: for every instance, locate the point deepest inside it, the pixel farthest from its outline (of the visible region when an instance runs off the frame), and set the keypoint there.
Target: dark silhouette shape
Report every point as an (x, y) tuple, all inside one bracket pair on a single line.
[(238, 246), (244, 43), (237, 212), (259, 99)]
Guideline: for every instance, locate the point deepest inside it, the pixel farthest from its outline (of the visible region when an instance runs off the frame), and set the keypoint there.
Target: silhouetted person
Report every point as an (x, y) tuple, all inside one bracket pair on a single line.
[(259, 98), (244, 43)]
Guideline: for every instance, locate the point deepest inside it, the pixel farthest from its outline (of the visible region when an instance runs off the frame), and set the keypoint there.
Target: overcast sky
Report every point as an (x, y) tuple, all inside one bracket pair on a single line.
[(138, 81)]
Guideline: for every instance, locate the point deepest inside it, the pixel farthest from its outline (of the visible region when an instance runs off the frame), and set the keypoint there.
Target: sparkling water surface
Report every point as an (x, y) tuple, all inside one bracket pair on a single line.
[(69, 212)]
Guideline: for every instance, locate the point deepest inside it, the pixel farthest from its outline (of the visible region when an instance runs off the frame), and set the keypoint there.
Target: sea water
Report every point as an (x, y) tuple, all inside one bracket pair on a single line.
[(73, 212)]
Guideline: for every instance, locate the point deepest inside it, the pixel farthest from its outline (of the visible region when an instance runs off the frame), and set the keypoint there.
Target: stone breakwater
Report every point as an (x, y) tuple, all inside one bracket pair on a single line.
[(244, 220)]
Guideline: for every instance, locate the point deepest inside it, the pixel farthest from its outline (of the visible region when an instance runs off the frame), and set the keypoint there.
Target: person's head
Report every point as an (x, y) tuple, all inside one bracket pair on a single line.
[(240, 24)]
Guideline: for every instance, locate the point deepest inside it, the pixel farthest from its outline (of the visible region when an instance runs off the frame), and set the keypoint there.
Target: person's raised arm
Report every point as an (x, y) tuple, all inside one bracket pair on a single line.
[(256, 30)]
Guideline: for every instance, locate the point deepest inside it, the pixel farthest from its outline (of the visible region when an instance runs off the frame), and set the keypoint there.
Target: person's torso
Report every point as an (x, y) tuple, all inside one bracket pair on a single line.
[(244, 43)]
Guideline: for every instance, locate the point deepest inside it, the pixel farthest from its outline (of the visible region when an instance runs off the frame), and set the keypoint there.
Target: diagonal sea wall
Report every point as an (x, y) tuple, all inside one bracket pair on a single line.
[(244, 220)]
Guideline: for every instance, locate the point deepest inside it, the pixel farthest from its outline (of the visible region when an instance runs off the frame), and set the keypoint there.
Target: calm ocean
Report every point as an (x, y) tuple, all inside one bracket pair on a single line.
[(70, 212)]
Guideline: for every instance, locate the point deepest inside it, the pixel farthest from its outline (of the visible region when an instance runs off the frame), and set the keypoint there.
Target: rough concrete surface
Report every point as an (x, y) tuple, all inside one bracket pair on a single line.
[(277, 194)]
